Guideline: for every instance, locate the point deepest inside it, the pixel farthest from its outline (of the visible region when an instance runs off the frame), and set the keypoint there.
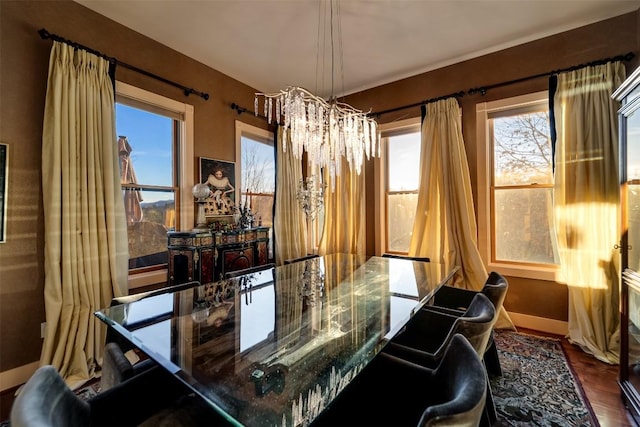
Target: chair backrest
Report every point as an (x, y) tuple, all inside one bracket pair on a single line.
[(476, 324), (461, 378), (412, 258), (255, 269), (46, 400), (495, 288), (302, 258)]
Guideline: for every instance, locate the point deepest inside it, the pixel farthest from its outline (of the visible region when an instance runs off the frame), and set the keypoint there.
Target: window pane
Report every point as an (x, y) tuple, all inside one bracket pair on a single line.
[(523, 224), (258, 180), (146, 146), (522, 149), (151, 139), (148, 236), (401, 213), (404, 162)]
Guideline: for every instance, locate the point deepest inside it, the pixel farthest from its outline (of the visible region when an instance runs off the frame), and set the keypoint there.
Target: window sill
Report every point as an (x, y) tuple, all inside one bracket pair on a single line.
[(146, 279), (527, 272)]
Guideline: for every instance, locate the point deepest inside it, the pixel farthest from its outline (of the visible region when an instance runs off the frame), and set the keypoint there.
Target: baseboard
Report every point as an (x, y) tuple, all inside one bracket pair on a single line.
[(541, 324), (17, 376)]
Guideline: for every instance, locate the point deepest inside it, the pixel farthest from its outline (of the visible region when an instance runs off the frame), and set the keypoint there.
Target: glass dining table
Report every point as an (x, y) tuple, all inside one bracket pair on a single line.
[(274, 348)]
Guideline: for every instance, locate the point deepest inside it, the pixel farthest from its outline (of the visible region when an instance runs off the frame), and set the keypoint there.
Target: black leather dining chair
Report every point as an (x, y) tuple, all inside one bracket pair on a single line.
[(150, 399), (455, 301), (254, 269), (429, 333), (412, 258), (391, 391)]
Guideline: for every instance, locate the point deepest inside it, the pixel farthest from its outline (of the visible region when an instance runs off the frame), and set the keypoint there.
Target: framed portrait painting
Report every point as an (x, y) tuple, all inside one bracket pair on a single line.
[(220, 176)]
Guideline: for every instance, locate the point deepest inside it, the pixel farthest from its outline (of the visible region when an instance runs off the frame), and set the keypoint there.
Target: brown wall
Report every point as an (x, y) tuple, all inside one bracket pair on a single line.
[(23, 74), (605, 39)]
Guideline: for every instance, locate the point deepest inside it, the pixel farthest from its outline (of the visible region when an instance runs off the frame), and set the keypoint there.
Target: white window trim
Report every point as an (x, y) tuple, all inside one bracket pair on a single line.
[(484, 188), (185, 156), (380, 176)]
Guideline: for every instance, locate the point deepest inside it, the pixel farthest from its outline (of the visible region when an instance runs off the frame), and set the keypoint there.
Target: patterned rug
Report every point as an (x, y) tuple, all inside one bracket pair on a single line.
[(537, 386)]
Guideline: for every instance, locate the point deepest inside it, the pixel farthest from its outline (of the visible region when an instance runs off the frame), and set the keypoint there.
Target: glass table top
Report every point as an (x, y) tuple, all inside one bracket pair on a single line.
[(273, 348)]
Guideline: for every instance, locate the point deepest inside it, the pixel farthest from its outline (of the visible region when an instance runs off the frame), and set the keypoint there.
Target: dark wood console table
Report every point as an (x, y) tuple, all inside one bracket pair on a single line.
[(207, 256)]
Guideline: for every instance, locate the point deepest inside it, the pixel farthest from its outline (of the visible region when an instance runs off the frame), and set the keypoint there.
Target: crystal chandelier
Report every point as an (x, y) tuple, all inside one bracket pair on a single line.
[(327, 130), (310, 196), (312, 282)]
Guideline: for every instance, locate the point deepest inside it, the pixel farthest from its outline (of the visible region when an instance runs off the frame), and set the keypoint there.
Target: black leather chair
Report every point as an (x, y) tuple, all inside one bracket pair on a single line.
[(394, 392), (152, 398), (412, 258), (428, 334), (254, 269), (302, 258), (456, 300)]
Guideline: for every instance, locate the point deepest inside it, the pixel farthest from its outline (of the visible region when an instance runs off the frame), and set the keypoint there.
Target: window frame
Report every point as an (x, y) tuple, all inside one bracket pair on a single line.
[(486, 238), (183, 161), (380, 167), (259, 134)]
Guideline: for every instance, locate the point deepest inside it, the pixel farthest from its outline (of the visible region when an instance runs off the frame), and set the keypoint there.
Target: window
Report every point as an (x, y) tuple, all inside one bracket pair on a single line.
[(257, 181), (515, 180), (154, 134), (399, 181)]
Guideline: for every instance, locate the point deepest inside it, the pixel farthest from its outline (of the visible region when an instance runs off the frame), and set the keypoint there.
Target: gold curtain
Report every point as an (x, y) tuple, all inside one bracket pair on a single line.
[(85, 253), (587, 202), (289, 224), (344, 213), (445, 227)]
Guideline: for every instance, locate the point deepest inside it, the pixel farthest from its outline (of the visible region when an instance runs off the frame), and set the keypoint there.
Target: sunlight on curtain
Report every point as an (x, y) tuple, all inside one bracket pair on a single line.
[(289, 224), (445, 227), (85, 228), (344, 214), (587, 201)]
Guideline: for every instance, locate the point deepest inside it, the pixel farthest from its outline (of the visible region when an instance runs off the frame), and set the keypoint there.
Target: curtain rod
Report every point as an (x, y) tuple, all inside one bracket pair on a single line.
[(482, 89), (241, 110), (418, 104), (44, 34)]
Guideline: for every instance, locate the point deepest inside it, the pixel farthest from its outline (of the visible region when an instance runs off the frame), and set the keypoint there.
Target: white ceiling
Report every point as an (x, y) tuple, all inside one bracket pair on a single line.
[(271, 44)]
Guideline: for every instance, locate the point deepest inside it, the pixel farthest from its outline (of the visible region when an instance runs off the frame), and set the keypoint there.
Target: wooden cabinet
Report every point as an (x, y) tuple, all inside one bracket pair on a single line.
[(629, 120), (206, 257), (240, 249), (191, 257)]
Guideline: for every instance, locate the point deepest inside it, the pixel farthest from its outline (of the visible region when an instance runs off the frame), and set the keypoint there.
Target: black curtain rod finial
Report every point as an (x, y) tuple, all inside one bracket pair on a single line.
[(481, 90), (44, 34)]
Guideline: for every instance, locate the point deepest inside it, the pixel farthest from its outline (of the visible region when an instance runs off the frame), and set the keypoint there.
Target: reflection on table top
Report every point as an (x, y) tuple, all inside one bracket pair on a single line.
[(275, 347)]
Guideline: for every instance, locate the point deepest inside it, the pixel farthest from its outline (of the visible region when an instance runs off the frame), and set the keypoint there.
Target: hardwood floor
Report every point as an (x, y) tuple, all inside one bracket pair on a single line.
[(598, 379), (600, 384)]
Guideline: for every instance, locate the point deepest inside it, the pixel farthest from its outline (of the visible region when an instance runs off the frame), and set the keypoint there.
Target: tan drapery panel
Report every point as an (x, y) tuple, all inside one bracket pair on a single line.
[(344, 213), (85, 253), (445, 227), (289, 224), (587, 201)]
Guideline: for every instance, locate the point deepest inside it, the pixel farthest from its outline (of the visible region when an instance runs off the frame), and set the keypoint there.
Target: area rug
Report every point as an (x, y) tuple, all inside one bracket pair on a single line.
[(537, 386)]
